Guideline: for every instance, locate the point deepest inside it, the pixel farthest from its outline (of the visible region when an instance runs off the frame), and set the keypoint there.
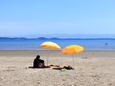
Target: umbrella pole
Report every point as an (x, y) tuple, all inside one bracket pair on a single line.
[(73, 62), (48, 57), (47, 61)]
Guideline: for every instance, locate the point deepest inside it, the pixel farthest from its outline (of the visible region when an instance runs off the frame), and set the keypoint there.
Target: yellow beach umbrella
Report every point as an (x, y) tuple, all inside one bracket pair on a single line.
[(72, 49), (49, 45)]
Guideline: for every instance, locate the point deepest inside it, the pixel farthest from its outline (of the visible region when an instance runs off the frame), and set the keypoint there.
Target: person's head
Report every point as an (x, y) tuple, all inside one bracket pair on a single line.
[(38, 57)]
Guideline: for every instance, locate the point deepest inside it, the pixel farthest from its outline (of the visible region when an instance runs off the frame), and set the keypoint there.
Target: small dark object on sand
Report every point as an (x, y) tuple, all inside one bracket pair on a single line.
[(65, 67), (58, 68), (54, 65), (51, 65), (68, 68)]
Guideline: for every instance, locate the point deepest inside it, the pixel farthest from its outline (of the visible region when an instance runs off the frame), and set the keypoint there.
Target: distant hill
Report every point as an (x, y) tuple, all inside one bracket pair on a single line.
[(64, 36), (8, 38), (44, 38)]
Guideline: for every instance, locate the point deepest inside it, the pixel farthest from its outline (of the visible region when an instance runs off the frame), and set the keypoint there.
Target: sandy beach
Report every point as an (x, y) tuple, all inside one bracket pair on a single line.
[(92, 68)]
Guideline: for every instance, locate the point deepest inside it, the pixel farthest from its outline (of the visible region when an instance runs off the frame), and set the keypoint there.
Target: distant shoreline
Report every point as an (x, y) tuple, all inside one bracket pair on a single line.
[(51, 38), (56, 53)]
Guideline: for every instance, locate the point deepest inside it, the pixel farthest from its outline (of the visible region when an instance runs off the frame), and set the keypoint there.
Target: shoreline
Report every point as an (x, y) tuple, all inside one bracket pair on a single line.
[(56, 53)]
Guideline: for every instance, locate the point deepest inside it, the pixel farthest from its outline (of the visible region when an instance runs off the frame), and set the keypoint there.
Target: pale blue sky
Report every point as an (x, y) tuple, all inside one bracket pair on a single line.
[(33, 18)]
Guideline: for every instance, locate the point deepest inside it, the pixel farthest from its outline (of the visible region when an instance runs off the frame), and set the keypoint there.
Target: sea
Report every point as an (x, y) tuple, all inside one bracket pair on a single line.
[(33, 44)]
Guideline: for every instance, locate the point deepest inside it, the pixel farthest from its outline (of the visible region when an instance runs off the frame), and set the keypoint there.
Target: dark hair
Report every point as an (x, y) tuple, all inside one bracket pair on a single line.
[(38, 57)]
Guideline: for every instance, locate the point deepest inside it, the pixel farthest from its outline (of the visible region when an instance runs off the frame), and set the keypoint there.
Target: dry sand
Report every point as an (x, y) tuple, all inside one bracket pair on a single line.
[(91, 69)]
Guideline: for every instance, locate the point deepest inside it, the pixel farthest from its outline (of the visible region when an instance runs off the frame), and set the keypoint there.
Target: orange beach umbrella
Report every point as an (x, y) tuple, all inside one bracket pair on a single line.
[(49, 45), (72, 49)]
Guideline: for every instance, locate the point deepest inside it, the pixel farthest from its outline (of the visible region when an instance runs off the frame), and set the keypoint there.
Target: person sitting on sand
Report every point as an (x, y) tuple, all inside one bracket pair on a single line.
[(38, 63)]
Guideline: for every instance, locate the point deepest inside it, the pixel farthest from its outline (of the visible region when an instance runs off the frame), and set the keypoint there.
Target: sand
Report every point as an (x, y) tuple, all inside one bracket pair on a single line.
[(92, 68)]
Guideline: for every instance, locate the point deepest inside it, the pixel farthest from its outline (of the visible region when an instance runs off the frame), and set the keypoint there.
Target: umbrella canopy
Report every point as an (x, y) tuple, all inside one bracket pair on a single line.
[(72, 49), (50, 45)]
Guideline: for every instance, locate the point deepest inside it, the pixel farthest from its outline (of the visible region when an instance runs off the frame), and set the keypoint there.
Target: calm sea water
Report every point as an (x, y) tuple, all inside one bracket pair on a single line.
[(88, 44)]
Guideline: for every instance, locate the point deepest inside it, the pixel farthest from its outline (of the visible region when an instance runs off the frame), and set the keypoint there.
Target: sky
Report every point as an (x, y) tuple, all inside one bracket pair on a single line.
[(35, 18)]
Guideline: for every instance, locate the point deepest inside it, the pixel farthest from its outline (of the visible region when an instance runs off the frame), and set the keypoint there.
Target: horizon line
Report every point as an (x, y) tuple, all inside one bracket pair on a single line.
[(57, 38)]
